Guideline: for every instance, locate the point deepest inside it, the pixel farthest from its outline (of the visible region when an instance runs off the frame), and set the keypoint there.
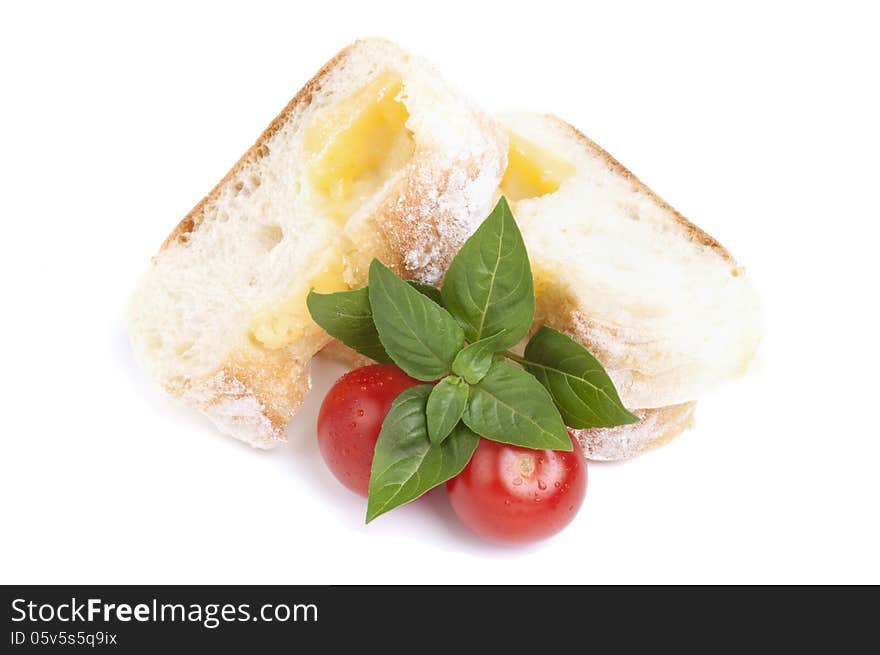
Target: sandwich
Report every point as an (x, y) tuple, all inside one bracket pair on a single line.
[(376, 156)]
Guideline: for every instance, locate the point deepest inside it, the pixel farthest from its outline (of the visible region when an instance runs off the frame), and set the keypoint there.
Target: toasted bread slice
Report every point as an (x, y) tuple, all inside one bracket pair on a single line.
[(663, 306), (376, 156)]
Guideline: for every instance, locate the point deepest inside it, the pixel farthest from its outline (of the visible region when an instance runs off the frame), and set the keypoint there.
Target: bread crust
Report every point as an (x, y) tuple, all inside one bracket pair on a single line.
[(693, 232), (194, 218), (338, 351), (657, 427)]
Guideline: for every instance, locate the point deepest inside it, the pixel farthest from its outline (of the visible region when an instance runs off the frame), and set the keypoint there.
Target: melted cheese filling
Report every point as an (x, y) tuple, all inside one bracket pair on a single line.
[(288, 320), (358, 146), (354, 149), (532, 171)]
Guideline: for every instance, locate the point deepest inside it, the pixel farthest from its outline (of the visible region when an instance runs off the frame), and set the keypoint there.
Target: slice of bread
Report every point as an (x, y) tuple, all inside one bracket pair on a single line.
[(376, 156), (663, 306)]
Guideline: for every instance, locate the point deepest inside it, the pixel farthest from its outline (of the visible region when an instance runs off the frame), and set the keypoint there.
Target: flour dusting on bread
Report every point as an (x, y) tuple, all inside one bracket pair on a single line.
[(655, 427)]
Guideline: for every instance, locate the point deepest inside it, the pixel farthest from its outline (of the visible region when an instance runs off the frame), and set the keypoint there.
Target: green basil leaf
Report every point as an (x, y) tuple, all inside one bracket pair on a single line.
[(509, 405), (580, 387), (405, 463), (346, 316), (445, 407), (427, 290), (474, 360), (419, 335), (488, 287)]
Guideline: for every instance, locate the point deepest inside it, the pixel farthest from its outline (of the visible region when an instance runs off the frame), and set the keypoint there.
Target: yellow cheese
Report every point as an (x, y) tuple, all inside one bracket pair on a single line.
[(358, 146), (354, 148), (532, 171), (288, 320)]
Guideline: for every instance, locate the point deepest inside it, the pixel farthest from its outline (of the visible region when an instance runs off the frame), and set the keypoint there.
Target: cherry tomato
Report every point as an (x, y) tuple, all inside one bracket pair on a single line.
[(351, 417), (509, 494)]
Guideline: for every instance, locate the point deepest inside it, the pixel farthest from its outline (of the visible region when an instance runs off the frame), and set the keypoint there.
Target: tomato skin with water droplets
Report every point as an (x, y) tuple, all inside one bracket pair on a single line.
[(508, 494), (351, 417)]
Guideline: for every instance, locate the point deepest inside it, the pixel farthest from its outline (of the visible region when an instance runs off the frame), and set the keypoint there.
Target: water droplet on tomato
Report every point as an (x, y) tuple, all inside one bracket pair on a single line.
[(360, 412), (556, 484), (517, 482), (542, 485)]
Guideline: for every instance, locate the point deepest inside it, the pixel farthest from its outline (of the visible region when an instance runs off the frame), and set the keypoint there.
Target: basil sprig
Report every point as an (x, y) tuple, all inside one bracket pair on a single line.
[(457, 338)]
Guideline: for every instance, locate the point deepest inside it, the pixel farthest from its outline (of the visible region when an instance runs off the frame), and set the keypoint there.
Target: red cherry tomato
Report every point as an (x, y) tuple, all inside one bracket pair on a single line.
[(351, 417), (509, 494)]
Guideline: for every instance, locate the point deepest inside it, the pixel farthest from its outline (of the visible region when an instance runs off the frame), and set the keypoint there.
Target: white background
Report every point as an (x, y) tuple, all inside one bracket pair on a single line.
[(759, 122)]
